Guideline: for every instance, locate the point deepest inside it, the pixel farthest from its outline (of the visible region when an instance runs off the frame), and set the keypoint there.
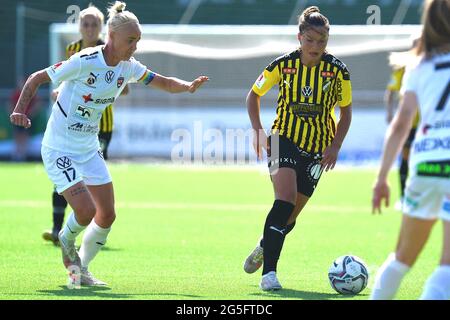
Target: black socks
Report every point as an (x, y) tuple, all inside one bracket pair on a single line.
[(274, 233)]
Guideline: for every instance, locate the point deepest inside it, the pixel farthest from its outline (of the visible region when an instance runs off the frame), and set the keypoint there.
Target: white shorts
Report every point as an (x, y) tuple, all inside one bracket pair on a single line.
[(65, 169), (427, 198)]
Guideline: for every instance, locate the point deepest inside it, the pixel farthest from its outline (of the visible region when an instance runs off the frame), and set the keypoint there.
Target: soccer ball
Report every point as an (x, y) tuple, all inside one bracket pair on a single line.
[(348, 275)]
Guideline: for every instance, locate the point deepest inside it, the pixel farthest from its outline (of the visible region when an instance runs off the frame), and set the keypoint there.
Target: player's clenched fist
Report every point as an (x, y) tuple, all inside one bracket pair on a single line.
[(20, 119)]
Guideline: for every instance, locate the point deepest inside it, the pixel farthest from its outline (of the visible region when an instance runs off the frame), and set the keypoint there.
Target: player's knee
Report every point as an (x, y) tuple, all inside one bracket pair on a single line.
[(86, 212), (107, 218), (288, 197)]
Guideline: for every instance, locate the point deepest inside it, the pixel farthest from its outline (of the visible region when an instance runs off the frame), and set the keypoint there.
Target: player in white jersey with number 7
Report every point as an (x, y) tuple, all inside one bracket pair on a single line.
[(426, 88), (92, 79)]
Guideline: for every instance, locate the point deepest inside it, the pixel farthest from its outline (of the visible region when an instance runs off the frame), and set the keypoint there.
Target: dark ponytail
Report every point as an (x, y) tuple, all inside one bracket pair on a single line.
[(310, 18)]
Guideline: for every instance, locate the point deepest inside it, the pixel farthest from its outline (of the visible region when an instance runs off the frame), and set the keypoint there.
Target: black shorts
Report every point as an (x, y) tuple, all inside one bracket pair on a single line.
[(410, 139), (306, 165), (104, 138)]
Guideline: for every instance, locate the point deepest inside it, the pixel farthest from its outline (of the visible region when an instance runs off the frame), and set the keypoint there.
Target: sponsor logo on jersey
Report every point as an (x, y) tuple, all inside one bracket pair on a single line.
[(105, 101), (444, 124), (339, 89), (328, 74), (93, 55), (91, 80), (307, 110), (76, 126), (88, 98), (63, 163), (260, 81), (338, 63), (307, 91), (109, 76), (84, 112), (85, 128), (289, 70), (282, 160), (426, 128), (120, 81), (56, 66), (432, 144)]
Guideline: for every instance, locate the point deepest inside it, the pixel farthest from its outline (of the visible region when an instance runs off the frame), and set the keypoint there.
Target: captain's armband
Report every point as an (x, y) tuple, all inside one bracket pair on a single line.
[(147, 77)]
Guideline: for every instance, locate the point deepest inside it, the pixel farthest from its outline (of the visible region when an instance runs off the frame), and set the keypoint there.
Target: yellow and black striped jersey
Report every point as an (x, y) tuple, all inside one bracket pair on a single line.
[(395, 84), (307, 97), (106, 122)]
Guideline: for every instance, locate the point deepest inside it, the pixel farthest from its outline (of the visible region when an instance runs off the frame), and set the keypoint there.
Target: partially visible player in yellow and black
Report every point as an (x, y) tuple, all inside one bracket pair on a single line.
[(305, 138), (398, 62), (91, 22)]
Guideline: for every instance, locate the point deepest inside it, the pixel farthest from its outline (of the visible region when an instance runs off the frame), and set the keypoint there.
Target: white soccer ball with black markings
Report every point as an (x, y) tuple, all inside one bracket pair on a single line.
[(348, 275)]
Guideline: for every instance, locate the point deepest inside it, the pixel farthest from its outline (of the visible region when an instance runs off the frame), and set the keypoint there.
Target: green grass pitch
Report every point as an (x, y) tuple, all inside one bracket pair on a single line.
[(184, 232)]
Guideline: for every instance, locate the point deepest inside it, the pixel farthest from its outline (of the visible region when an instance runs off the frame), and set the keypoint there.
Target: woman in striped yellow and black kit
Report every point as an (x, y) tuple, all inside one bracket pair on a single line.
[(91, 21), (305, 138)]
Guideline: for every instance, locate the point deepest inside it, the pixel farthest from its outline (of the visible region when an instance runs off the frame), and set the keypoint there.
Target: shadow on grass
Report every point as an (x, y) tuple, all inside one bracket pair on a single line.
[(306, 295), (103, 292)]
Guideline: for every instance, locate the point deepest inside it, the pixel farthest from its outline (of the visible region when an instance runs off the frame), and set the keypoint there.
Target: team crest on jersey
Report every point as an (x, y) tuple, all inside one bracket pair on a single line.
[(120, 81), (289, 70), (306, 91), (109, 76), (326, 86)]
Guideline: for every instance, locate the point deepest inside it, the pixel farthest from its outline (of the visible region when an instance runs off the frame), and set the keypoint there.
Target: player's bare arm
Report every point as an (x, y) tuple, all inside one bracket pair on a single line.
[(330, 153), (175, 85), (259, 136), (396, 136), (18, 116)]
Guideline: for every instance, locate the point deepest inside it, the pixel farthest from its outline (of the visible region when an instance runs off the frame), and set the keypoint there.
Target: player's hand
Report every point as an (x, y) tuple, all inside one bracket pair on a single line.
[(380, 191), (54, 95), (197, 83), (329, 157), (260, 142), (20, 119)]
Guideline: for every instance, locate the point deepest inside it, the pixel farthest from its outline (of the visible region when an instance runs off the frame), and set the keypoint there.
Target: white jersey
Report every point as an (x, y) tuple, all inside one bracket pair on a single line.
[(430, 81), (88, 86)]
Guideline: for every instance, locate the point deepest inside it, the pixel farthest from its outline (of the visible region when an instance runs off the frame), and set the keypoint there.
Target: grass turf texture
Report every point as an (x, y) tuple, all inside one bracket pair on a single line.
[(183, 233)]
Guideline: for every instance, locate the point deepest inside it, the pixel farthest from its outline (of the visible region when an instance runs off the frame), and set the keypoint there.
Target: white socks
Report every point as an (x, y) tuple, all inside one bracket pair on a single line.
[(437, 286), (388, 279), (93, 240), (72, 229)]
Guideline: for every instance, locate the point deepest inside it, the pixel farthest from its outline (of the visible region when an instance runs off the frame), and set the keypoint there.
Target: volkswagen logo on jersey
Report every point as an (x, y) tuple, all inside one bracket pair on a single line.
[(120, 81), (63, 163), (306, 91), (109, 76)]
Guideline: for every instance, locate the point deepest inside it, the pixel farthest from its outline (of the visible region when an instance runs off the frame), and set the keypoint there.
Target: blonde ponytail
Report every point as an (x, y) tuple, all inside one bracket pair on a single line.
[(118, 16)]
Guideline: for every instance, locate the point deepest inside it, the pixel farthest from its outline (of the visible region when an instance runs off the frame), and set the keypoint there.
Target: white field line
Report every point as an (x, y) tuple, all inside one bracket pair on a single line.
[(190, 206)]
